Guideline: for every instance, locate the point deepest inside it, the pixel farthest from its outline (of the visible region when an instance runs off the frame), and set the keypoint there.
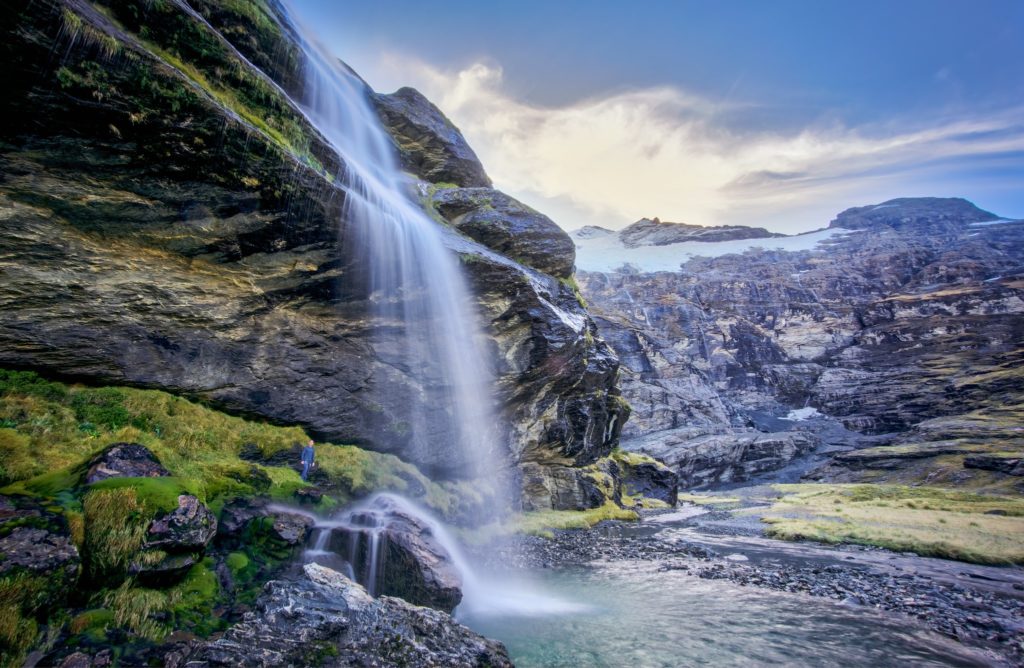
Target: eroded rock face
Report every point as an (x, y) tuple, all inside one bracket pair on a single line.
[(907, 321), (429, 145), (704, 460), (326, 619), (509, 227), (124, 460), (152, 236)]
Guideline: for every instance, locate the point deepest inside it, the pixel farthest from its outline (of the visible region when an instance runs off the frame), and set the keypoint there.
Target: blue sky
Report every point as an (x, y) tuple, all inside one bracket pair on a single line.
[(776, 113)]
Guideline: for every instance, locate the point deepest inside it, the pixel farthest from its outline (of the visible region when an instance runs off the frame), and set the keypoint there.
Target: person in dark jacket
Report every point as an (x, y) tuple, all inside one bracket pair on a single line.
[(307, 459)]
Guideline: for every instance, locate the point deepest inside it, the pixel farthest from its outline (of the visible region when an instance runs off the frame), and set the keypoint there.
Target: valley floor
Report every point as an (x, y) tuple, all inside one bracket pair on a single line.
[(722, 538)]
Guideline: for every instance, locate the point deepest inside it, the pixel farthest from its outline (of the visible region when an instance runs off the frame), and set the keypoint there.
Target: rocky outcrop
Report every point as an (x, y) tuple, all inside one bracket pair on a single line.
[(509, 227), (908, 314), (704, 460), (174, 223), (930, 214), (39, 570), (124, 460), (323, 618), (36, 540), (428, 144), (1008, 465), (654, 232)]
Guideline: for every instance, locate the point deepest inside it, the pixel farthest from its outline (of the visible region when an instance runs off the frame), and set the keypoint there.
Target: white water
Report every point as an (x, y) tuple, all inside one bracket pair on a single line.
[(482, 595), (416, 291)]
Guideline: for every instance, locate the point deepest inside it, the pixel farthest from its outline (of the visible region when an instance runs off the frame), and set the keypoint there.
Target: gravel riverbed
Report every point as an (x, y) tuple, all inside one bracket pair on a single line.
[(979, 606)]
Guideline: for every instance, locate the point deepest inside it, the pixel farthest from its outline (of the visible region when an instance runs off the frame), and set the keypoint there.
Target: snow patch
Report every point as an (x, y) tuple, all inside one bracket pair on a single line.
[(606, 253), (801, 414), (1001, 221)]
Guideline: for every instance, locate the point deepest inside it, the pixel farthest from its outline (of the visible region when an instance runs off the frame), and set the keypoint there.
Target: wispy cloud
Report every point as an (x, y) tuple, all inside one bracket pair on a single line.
[(663, 151)]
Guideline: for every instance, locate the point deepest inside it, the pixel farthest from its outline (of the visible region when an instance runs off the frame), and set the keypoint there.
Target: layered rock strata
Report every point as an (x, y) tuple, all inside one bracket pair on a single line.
[(171, 220), (905, 319)]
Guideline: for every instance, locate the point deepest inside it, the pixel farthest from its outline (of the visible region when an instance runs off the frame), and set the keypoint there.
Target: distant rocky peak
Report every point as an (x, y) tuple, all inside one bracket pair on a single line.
[(933, 213), (654, 232), (591, 232)]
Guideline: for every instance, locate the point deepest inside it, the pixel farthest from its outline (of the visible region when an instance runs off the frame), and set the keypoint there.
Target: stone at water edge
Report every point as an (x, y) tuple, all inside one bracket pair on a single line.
[(417, 567), (124, 460), (323, 618)]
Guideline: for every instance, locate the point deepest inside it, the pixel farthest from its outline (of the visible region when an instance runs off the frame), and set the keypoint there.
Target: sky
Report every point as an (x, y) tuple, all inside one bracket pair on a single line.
[(773, 113)]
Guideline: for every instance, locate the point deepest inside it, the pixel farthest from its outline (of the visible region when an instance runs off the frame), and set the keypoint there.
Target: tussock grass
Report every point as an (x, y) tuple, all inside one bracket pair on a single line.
[(48, 430), (115, 528), (929, 521), (544, 523), (708, 499)]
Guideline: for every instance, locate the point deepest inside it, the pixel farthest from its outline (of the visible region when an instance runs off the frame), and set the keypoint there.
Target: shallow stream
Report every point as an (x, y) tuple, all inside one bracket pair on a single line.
[(630, 614)]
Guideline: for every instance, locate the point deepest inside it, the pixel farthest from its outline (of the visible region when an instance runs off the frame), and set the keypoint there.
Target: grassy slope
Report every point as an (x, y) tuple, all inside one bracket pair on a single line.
[(929, 521), (50, 430)]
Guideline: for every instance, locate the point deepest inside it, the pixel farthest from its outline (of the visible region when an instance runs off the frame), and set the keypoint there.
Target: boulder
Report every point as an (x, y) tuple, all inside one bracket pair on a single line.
[(124, 460), (324, 618), (649, 478), (189, 527), (291, 528), (236, 515), (429, 145), (412, 563), (564, 487), (509, 227)]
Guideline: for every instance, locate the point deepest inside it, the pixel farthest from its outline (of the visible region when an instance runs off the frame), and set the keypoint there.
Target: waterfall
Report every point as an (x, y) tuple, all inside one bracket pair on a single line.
[(440, 388), (426, 331)]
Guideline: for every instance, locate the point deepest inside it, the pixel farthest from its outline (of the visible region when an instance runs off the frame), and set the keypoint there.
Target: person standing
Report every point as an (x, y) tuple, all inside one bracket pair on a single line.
[(307, 459)]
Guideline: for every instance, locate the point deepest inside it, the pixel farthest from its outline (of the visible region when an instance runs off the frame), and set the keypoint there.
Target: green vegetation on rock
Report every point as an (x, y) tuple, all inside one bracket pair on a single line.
[(50, 432)]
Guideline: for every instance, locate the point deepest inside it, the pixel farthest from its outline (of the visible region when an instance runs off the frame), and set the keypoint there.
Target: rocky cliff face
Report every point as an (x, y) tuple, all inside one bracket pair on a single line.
[(904, 320), (171, 220)]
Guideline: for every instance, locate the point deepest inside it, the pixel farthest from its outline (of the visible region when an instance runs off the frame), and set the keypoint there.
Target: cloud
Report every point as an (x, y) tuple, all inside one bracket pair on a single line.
[(665, 152)]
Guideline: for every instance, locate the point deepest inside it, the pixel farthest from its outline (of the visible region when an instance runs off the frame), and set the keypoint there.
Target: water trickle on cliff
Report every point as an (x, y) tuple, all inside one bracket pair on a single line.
[(440, 388)]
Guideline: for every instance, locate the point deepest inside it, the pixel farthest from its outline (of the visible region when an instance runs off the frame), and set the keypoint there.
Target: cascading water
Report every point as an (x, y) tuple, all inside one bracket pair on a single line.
[(359, 534), (420, 304)]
